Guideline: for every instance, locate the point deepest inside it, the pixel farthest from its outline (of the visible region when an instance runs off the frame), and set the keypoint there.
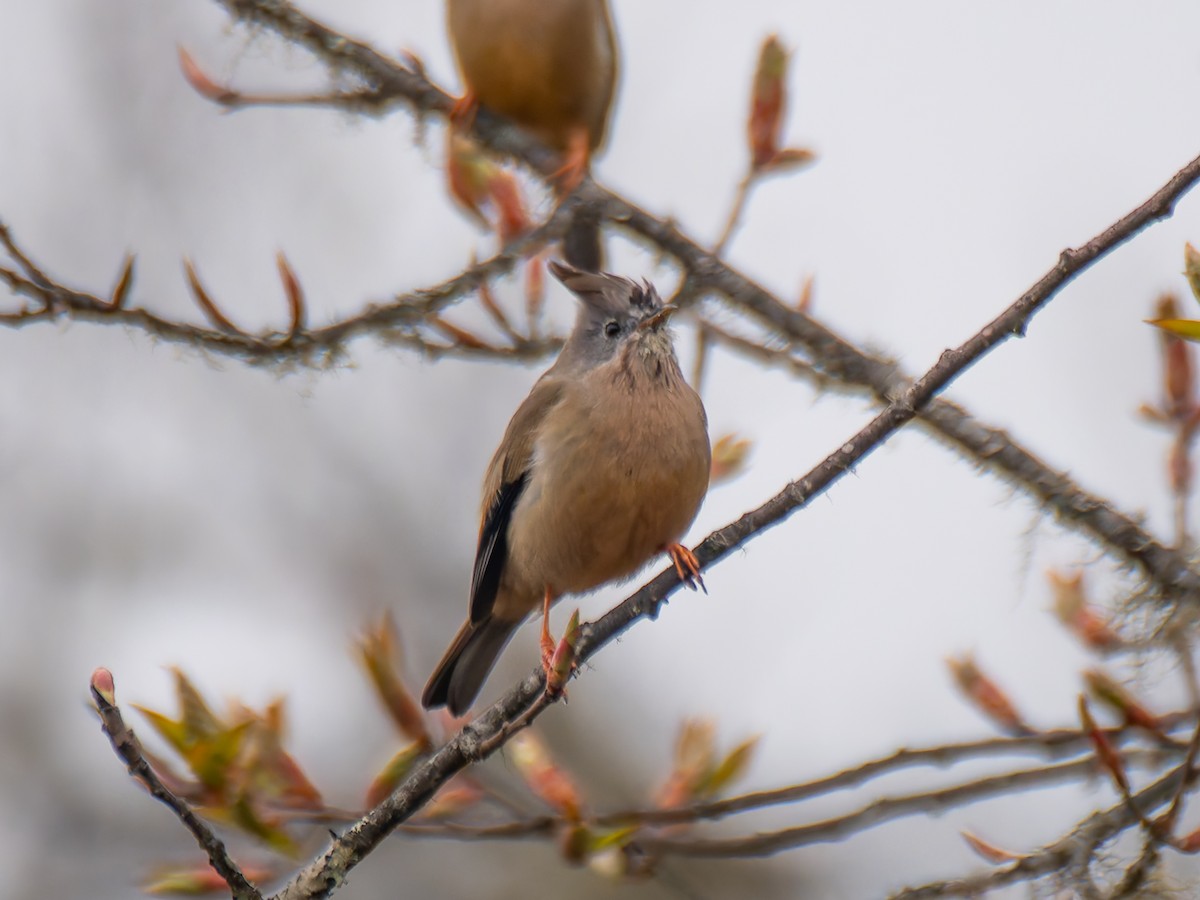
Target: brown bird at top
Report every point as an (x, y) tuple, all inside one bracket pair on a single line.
[(551, 67), (603, 465)]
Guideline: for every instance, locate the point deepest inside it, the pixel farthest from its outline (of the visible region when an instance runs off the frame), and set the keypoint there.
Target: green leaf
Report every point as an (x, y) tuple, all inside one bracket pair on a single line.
[(1188, 329), (191, 881), (174, 733), (617, 837), (212, 759), (729, 769), (243, 814), (197, 717)]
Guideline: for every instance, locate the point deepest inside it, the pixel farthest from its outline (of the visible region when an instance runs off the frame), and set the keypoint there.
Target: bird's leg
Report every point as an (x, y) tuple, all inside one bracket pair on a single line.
[(687, 567), (547, 642), (558, 657), (462, 113), (575, 162)]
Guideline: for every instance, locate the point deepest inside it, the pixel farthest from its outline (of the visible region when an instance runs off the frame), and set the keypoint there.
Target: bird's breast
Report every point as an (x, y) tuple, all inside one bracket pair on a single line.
[(617, 476)]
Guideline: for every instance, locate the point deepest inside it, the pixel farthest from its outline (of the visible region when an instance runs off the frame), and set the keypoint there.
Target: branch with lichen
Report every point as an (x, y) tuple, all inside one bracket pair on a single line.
[(245, 777), (490, 730), (830, 360), (413, 319), (704, 274)]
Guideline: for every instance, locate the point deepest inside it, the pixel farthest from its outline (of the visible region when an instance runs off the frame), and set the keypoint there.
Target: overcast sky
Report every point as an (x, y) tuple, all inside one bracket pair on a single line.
[(160, 508)]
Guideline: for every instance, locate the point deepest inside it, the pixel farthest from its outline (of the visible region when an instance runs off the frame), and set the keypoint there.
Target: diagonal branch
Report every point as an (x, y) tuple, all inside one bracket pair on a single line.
[(831, 355), (991, 447), (834, 359), (880, 811), (837, 358), (1053, 744), (129, 749), (489, 732), (1074, 849)]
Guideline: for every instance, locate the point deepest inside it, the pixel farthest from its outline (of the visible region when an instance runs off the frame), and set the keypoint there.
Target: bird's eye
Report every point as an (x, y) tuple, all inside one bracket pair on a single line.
[(611, 328)]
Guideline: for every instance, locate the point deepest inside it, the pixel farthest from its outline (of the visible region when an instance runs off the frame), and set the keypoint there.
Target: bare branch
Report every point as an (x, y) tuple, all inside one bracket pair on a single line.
[(884, 810), (120, 291), (522, 828), (991, 447), (831, 354), (400, 321), (479, 739), (741, 195), (1054, 744), (1075, 848), (129, 749), (366, 101)]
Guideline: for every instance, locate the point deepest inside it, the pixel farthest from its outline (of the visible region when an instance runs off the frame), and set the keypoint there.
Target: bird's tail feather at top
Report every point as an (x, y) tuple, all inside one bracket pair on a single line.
[(458, 677), (581, 245)]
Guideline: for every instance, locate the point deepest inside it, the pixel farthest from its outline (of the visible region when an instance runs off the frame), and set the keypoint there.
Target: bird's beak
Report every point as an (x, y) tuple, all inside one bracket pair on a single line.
[(658, 319)]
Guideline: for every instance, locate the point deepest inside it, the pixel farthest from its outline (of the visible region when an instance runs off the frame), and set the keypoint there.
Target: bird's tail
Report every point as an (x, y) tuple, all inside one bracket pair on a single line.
[(581, 245), (459, 676)]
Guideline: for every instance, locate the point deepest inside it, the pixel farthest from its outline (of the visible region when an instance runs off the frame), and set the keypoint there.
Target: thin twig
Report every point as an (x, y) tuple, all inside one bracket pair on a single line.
[(347, 851), (1138, 872), (399, 321), (833, 356), (322, 877), (1057, 743), (1168, 569), (1076, 847), (35, 274), (990, 447), (735, 211), (876, 813), (507, 831), (129, 749), (836, 357), (1171, 817)]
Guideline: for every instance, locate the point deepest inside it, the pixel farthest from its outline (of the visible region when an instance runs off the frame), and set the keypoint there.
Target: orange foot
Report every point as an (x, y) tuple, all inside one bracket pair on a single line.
[(462, 113), (554, 678), (575, 162), (687, 567)]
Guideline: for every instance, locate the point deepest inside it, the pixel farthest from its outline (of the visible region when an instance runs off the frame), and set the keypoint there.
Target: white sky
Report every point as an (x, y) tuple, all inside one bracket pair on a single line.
[(159, 508)]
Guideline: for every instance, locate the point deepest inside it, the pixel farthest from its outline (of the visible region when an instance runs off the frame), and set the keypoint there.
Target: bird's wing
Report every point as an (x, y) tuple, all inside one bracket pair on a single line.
[(506, 478)]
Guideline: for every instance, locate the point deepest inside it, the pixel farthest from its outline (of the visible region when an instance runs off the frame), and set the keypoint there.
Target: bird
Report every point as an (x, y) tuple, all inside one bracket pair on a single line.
[(551, 67), (603, 466)]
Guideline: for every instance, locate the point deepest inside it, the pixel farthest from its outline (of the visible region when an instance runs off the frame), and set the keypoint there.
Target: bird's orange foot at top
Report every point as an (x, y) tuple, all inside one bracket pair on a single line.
[(575, 162), (687, 567), (462, 113), (555, 679)]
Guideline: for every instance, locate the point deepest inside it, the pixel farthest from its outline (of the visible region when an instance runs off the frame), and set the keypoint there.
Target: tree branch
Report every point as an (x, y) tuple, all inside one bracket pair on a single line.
[(830, 353), (488, 732), (1075, 848), (990, 447), (876, 813), (129, 749), (833, 357), (1057, 743), (398, 321)]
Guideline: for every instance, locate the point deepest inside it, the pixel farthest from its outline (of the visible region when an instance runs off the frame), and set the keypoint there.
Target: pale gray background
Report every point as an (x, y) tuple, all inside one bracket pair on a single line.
[(159, 508)]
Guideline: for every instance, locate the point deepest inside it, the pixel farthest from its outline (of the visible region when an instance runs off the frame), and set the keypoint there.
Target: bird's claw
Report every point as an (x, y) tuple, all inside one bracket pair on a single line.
[(687, 567)]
